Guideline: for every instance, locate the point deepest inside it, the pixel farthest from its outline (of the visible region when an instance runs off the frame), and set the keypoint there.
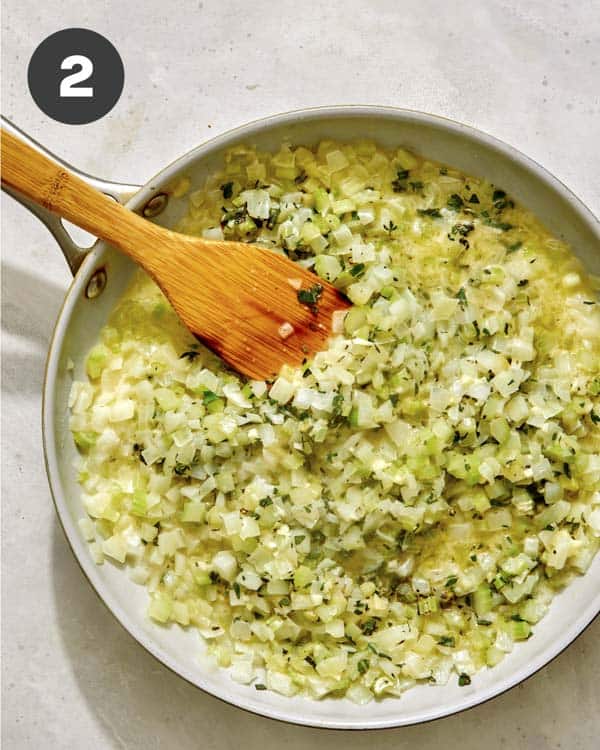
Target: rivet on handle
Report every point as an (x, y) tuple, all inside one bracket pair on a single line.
[(156, 205), (96, 284)]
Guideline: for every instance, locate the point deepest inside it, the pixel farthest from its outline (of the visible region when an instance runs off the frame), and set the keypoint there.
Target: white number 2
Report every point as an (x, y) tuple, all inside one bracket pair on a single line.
[(67, 85)]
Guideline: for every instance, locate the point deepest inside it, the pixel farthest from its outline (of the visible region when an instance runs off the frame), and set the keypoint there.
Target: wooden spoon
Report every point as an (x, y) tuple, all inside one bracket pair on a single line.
[(242, 301)]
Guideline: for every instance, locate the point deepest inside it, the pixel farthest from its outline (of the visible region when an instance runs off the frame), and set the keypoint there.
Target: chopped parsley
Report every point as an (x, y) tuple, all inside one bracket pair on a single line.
[(455, 202), (227, 190), (494, 223), (399, 184), (362, 666), (433, 212), (501, 201), (311, 296), (357, 270), (369, 626)]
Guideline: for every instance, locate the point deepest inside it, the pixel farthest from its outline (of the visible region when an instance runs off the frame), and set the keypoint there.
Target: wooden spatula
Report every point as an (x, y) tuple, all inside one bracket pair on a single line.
[(257, 309)]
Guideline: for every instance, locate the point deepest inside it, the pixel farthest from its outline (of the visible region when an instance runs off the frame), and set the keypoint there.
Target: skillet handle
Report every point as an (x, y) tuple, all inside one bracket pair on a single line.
[(74, 254)]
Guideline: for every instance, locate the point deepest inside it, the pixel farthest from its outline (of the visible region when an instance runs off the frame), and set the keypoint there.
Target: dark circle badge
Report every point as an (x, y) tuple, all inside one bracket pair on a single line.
[(75, 76)]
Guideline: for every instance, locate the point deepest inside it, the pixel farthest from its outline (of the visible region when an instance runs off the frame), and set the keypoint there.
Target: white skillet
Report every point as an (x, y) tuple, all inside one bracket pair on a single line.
[(102, 274)]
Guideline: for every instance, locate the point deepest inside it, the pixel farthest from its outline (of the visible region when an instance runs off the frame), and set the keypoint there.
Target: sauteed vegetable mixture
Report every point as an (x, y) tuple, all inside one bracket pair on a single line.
[(402, 508)]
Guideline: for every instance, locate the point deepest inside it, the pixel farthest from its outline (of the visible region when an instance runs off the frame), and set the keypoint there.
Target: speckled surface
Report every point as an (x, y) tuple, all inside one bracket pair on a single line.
[(525, 72)]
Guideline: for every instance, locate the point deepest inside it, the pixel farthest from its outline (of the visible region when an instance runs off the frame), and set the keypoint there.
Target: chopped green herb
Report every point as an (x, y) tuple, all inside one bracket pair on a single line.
[(265, 502), (260, 686), (399, 184), (455, 202), (433, 212), (227, 190), (464, 679), (462, 229), (310, 296), (369, 626), (273, 216), (503, 225), (501, 201), (363, 666)]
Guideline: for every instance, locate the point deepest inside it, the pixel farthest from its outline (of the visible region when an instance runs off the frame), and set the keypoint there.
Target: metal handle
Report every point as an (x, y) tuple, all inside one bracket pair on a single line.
[(74, 254)]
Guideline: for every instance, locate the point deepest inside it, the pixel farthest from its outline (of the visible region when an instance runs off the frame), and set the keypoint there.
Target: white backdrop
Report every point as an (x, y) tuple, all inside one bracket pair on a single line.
[(524, 72)]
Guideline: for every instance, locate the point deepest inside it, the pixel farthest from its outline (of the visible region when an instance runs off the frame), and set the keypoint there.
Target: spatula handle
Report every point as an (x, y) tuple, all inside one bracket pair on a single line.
[(60, 191)]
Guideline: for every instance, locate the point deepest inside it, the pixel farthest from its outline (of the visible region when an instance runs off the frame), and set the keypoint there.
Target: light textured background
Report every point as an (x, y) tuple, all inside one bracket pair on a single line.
[(526, 72)]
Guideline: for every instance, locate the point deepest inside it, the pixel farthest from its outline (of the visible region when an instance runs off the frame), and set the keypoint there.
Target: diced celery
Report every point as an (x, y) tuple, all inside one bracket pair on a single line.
[(328, 267), (193, 512), (160, 608), (428, 605), (303, 576), (96, 361), (482, 600), (139, 503), (86, 439), (519, 629), (322, 200)]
